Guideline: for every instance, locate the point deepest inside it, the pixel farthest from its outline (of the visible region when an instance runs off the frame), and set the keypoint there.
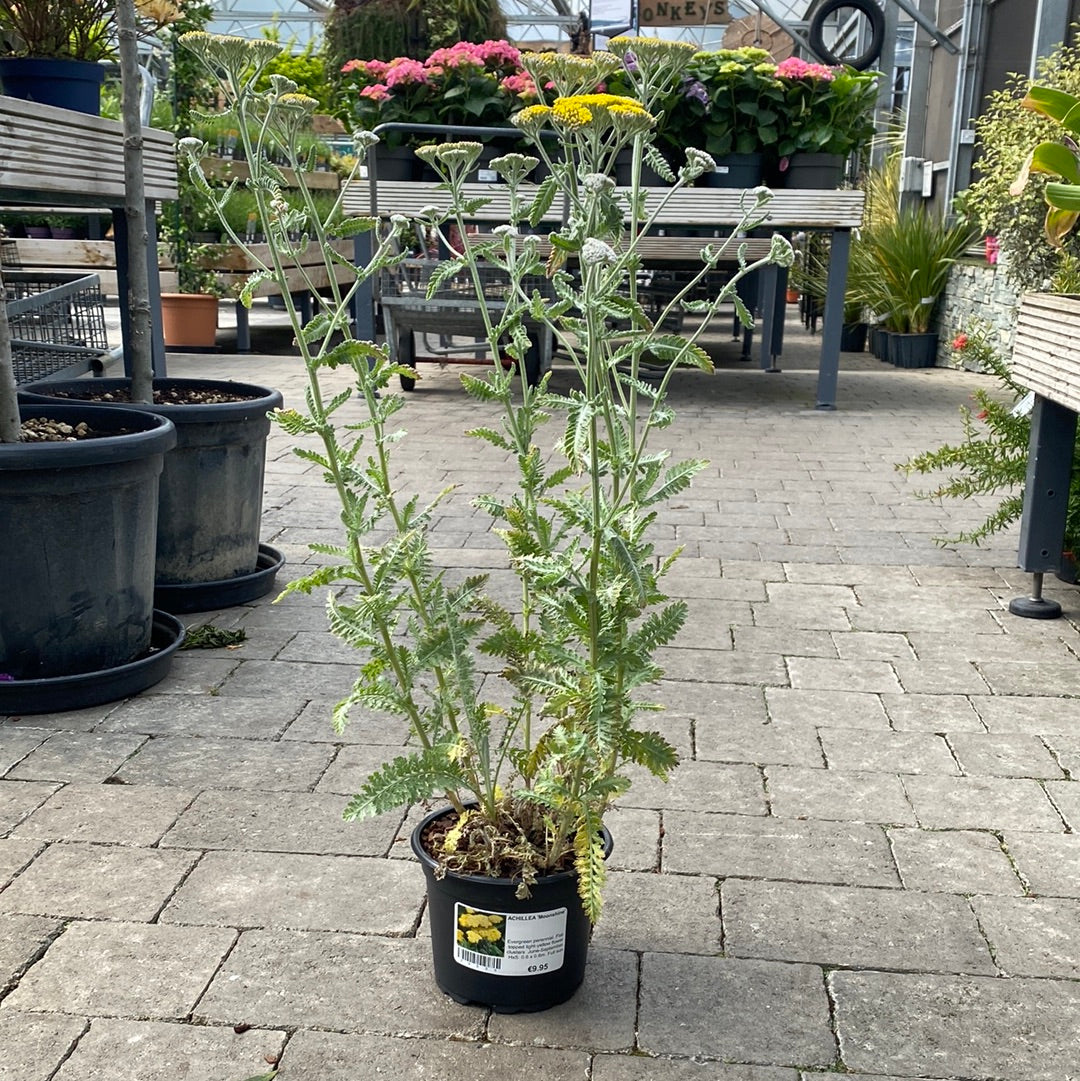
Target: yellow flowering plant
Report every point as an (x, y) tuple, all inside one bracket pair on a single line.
[(530, 770)]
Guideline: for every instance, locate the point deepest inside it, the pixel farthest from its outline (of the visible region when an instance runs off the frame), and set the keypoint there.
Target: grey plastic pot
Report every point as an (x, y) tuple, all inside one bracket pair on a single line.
[(211, 491), (78, 523)]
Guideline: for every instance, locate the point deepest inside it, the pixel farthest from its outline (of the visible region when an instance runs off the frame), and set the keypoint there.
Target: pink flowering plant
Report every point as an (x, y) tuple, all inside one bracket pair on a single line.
[(825, 110), (478, 84)]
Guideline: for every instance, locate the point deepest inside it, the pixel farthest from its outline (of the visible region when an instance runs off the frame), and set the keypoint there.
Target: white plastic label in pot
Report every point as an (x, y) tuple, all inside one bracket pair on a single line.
[(509, 943)]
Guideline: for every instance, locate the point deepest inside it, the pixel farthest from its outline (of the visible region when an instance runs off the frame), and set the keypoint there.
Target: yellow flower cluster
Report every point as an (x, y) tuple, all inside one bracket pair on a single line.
[(477, 927), (585, 110)]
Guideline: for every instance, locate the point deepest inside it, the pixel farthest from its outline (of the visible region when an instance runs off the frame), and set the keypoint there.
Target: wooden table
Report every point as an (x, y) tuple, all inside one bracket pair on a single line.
[(53, 157), (717, 209)]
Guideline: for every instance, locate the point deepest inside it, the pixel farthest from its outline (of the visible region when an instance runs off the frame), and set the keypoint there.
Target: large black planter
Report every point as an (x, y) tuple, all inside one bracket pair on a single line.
[(821, 171), (913, 350), (853, 338), (78, 522), (528, 955), (208, 551), (67, 84)]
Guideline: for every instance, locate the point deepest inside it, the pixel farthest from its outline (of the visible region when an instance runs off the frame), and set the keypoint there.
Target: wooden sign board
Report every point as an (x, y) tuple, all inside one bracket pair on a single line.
[(683, 12)]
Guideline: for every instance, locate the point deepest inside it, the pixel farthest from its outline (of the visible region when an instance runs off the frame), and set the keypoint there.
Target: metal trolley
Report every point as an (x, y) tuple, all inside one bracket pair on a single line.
[(454, 310)]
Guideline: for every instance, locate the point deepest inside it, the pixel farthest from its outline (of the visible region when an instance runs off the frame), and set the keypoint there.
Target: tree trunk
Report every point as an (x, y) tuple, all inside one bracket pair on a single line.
[(138, 298), (9, 405)]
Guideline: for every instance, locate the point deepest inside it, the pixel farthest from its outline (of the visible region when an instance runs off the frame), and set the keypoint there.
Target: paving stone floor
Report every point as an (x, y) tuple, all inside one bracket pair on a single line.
[(867, 864)]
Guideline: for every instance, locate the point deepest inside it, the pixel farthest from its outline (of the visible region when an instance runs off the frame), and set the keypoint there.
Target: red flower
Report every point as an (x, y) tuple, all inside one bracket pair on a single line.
[(960, 342)]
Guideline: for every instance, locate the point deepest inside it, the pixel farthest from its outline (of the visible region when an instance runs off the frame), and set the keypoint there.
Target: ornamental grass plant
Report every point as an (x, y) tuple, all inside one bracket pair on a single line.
[(530, 764)]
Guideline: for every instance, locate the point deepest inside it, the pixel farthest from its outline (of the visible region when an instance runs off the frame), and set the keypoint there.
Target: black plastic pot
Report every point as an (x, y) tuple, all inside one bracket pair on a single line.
[(913, 350), (211, 493), (821, 171), (735, 171), (78, 522), (537, 958), (853, 338)]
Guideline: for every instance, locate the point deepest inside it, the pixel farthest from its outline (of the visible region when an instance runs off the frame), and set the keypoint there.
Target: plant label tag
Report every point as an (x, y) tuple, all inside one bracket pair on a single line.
[(724, 169), (509, 943), (487, 176)]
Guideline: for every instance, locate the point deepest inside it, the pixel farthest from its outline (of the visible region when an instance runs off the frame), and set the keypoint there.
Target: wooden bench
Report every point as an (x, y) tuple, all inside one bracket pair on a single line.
[(717, 209), (53, 157)]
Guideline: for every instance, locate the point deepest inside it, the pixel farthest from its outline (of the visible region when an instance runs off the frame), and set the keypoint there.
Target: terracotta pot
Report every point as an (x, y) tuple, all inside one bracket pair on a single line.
[(189, 320)]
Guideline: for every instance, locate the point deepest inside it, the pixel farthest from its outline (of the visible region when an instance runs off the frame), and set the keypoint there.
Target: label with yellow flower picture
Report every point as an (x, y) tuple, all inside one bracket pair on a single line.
[(509, 943)]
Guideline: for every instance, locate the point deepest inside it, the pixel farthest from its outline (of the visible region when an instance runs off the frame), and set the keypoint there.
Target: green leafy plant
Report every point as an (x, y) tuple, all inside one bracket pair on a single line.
[(1007, 130), (901, 266), (827, 110), (992, 458), (531, 770)]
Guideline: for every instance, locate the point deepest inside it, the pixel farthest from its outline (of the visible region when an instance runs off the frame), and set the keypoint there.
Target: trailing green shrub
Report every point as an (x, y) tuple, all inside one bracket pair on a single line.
[(1007, 132)]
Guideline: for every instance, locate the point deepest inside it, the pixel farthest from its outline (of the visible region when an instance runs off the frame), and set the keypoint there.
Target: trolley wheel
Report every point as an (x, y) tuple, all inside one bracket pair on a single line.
[(406, 354), (873, 14)]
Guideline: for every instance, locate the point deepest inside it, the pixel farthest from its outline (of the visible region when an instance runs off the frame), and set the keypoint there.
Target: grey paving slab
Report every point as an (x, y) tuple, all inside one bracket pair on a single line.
[(915, 1025), (331, 1056), (285, 890), (818, 673), (638, 1068), (1049, 863), (788, 643), (302, 978), (209, 717), (954, 861), (872, 646), (756, 741), (886, 752), (35, 1044), (1010, 755), (1067, 750), (292, 678), (812, 595), (773, 1014), (637, 834), (713, 786), (77, 756), (313, 725), (852, 709), (191, 673), (159, 1051), (17, 743), (279, 822), (660, 914), (837, 795), (1032, 936), (134, 970), (1040, 678), (14, 856), (116, 814), (932, 713), (70, 720), (846, 927), (794, 615), (320, 647), (194, 763), (97, 882), (600, 1016), (22, 939), (19, 799), (1030, 715), (745, 847), (946, 677), (352, 765), (994, 803)]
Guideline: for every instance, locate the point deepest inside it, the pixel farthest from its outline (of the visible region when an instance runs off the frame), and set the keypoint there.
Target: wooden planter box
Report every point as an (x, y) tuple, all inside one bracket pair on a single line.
[(1046, 352)]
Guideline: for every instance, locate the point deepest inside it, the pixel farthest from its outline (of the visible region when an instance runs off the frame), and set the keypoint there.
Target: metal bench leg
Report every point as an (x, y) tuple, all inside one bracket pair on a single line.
[(243, 329), (769, 280), (833, 322), (1046, 499)]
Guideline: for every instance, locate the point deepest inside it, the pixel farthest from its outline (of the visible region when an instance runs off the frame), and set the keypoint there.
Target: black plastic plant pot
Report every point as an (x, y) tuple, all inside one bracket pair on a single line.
[(78, 521), (211, 490), (491, 949)]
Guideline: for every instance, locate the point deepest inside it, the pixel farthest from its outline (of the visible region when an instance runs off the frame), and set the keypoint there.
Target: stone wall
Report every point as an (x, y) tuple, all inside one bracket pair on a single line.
[(976, 291)]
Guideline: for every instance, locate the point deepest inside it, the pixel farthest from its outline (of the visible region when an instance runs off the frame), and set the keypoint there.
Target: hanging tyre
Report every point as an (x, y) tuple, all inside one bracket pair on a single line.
[(874, 17)]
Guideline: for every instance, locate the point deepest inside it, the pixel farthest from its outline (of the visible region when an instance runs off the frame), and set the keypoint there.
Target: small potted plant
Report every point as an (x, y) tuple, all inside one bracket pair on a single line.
[(515, 859), (827, 115)]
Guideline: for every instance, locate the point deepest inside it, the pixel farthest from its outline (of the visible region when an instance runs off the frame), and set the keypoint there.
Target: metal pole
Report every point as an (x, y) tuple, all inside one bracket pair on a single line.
[(928, 24), (918, 102), (1051, 26)]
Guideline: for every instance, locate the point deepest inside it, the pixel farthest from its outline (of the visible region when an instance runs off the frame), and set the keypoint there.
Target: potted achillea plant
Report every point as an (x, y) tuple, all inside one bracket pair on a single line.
[(515, 858)]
